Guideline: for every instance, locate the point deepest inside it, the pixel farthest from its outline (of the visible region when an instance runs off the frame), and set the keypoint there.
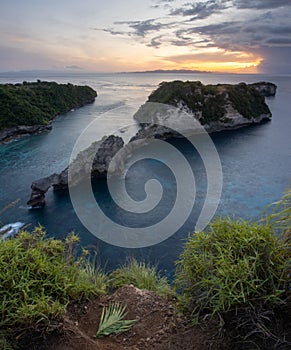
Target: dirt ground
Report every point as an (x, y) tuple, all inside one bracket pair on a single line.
[(159, 327)]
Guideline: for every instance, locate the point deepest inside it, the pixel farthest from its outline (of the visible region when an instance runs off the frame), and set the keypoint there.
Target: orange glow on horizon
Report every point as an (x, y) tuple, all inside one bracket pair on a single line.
[(218, 60), (245, 63)]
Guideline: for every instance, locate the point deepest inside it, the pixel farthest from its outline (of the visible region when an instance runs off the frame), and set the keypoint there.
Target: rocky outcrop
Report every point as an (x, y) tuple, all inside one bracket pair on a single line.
[(9, 134), (93, 161), (266, 89), (39, 189), (153, 131), (10, 230), (216, 107)]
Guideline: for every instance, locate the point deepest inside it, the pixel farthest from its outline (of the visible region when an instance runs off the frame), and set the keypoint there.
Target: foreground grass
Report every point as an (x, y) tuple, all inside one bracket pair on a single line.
[(141, 275), (235, 263), (236, 267), (240, 272), (38, 277)]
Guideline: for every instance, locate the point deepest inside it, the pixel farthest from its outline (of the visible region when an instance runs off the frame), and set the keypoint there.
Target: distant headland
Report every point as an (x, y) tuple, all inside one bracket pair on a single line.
[(29, 108), (169, 71)]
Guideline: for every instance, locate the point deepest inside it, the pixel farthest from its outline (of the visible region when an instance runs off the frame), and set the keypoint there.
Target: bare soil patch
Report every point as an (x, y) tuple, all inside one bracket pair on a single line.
[(159, 327)]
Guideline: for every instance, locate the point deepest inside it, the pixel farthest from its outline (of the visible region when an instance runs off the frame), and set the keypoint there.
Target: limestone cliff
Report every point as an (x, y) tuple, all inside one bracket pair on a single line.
[(100, 152), (216, 107)]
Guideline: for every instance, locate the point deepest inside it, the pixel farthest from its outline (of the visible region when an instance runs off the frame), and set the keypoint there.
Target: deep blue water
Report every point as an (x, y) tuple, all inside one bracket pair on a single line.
[(256, 164)]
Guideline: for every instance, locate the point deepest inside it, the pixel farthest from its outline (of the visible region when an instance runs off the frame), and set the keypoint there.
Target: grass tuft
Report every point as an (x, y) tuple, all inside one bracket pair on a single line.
[(142, 276)]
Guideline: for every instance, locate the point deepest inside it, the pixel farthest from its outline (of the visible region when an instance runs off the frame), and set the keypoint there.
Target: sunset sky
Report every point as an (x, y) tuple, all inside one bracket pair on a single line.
[(243, 36)]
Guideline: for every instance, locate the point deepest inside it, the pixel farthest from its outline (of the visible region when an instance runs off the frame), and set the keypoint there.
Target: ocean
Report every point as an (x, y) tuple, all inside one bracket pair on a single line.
[(256, 164)]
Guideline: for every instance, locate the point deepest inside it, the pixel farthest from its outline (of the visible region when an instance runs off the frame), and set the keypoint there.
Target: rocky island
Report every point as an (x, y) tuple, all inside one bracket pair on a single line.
[(216, 107), (29, 108), (82, 166)]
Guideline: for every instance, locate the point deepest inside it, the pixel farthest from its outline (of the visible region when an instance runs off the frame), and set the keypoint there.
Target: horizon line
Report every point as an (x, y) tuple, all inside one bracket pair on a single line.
[(154, 71)]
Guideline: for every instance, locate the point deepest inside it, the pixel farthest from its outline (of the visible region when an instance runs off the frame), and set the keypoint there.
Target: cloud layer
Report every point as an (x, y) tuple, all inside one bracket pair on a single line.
[(260, 28), (219, 35)]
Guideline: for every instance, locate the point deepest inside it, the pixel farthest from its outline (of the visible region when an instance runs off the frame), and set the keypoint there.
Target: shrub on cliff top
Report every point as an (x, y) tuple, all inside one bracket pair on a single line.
[(236, 264), (38, 277)]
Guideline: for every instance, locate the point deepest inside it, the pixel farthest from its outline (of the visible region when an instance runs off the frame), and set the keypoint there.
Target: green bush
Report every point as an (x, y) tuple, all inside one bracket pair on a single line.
[(235, 264), (38, 277), (142, 276)]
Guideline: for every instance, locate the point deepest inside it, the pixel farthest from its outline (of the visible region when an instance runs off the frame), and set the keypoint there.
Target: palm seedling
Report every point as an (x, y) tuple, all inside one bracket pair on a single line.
[(112, 320)]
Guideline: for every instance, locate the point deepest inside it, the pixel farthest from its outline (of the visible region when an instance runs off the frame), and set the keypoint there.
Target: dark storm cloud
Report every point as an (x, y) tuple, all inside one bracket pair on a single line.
[(183, 34), (261, 4), (220, 35), (164, 4), (155, 42), (267, 29), (240, 35), (141, 28), (279, 41), (276, 60), (242, 25), (217, 29), (196, 43), (113, 32), (200, 10), (260, 28), (185, 38)]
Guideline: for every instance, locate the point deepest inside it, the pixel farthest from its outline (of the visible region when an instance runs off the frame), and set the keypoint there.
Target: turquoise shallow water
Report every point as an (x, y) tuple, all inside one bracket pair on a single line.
[(256, 164)]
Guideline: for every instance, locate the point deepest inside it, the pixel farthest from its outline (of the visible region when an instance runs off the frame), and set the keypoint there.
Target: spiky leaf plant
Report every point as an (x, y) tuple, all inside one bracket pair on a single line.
[(112, 320)]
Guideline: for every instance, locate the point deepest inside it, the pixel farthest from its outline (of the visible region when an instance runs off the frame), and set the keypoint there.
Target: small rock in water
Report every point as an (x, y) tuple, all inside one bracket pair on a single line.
[(10, 230)]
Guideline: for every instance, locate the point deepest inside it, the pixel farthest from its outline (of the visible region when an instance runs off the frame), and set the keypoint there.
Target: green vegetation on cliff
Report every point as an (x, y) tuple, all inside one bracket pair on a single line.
[(211, 101), (36, 103), (236, 263), (237, 269), (38, 277)]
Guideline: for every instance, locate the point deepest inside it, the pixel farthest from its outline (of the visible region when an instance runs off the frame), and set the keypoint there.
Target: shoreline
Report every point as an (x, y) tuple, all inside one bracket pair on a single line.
[(8, 135), (14, 133)]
